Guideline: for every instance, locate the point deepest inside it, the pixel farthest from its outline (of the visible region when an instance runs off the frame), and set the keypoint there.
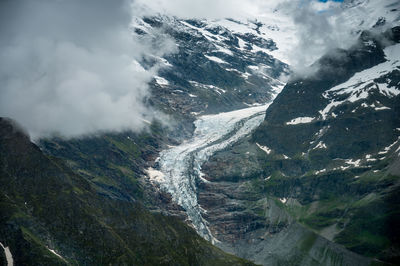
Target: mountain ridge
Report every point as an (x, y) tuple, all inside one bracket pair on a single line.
[(323, 175)]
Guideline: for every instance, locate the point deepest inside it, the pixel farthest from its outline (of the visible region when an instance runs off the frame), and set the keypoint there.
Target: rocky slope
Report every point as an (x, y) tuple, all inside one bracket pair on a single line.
[(324, 162), (214, 68), (346, 128), (52, 216)]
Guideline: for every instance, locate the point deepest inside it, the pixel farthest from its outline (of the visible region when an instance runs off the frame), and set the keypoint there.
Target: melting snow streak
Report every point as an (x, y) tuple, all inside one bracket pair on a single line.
[(9, 258)]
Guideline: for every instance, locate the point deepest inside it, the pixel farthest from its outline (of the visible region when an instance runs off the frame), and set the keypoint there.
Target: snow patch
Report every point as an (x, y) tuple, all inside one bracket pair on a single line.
[(355, 163), (283, 35), (223, 50), (256, 49), (388, 148), (242, 44), (320, 171), (255, 68), (204, 86), (264, 148), (155, 175), (196, 113), (9, 257), (165, 62), (216, 59), (161, 81), (55, 253), (331, 105), (208, 35), (246, 75), (300, 120), (382, 108), (320, 145)]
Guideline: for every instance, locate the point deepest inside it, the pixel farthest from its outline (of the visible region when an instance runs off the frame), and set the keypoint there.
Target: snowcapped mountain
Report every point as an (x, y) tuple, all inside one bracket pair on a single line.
[(367, 14), (226, 64), (272, 166), (215, 68), (328, 134), (326, 152)]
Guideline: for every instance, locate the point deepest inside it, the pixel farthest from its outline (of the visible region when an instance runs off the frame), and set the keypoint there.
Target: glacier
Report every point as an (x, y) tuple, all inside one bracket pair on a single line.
[(179, 167)]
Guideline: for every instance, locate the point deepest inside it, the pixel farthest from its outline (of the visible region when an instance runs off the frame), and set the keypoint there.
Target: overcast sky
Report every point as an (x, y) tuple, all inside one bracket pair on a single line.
[(69, 67)]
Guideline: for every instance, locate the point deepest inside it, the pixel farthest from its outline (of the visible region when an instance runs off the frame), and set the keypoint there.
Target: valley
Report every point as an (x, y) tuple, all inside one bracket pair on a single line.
[(234, 153)]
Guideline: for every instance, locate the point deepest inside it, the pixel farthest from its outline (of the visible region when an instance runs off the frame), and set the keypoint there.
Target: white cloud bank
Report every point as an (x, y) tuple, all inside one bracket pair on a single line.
[(69, 67), (211, 9)]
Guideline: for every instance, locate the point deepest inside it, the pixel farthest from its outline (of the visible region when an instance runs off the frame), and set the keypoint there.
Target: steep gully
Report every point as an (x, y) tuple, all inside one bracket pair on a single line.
[(178, 168)]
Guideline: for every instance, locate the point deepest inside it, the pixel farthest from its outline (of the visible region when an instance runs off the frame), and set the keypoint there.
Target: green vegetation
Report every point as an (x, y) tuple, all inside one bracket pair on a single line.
[(113, 163), (44, 204), (307, 242)]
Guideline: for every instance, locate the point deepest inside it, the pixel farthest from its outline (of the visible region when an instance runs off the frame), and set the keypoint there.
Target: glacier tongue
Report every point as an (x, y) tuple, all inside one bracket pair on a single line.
[(181, 165)]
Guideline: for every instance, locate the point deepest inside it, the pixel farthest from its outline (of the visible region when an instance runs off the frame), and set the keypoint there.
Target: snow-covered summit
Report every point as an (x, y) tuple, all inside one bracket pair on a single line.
[(366, 14)]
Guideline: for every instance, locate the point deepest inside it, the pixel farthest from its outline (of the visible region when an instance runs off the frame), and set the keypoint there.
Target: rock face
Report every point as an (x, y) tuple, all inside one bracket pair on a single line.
[(253, 222), (322, 166), (52, 216), (215, 68)]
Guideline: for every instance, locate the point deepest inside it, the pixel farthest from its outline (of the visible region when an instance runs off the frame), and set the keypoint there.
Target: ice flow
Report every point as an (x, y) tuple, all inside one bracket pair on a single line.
[(180, 166)]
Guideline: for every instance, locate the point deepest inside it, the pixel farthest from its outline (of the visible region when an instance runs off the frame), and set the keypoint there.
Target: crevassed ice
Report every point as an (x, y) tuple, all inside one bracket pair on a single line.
[(181, 165)]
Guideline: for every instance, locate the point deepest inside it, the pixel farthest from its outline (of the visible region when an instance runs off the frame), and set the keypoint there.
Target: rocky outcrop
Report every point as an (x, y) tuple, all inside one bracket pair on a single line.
[(254, 223), (211, 71)]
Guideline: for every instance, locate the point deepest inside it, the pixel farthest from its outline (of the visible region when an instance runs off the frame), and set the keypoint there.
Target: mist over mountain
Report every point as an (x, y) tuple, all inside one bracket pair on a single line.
[(199, 132), (72, 68)]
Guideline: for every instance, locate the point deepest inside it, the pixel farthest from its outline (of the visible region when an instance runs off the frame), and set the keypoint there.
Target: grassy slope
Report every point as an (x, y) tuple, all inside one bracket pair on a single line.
[(44, 204), (361, 213), (356, 207)]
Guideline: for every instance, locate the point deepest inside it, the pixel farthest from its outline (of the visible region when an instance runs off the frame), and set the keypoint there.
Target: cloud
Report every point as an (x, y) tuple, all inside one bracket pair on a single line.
[(319, 28), (211, 9), (71, 68)]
